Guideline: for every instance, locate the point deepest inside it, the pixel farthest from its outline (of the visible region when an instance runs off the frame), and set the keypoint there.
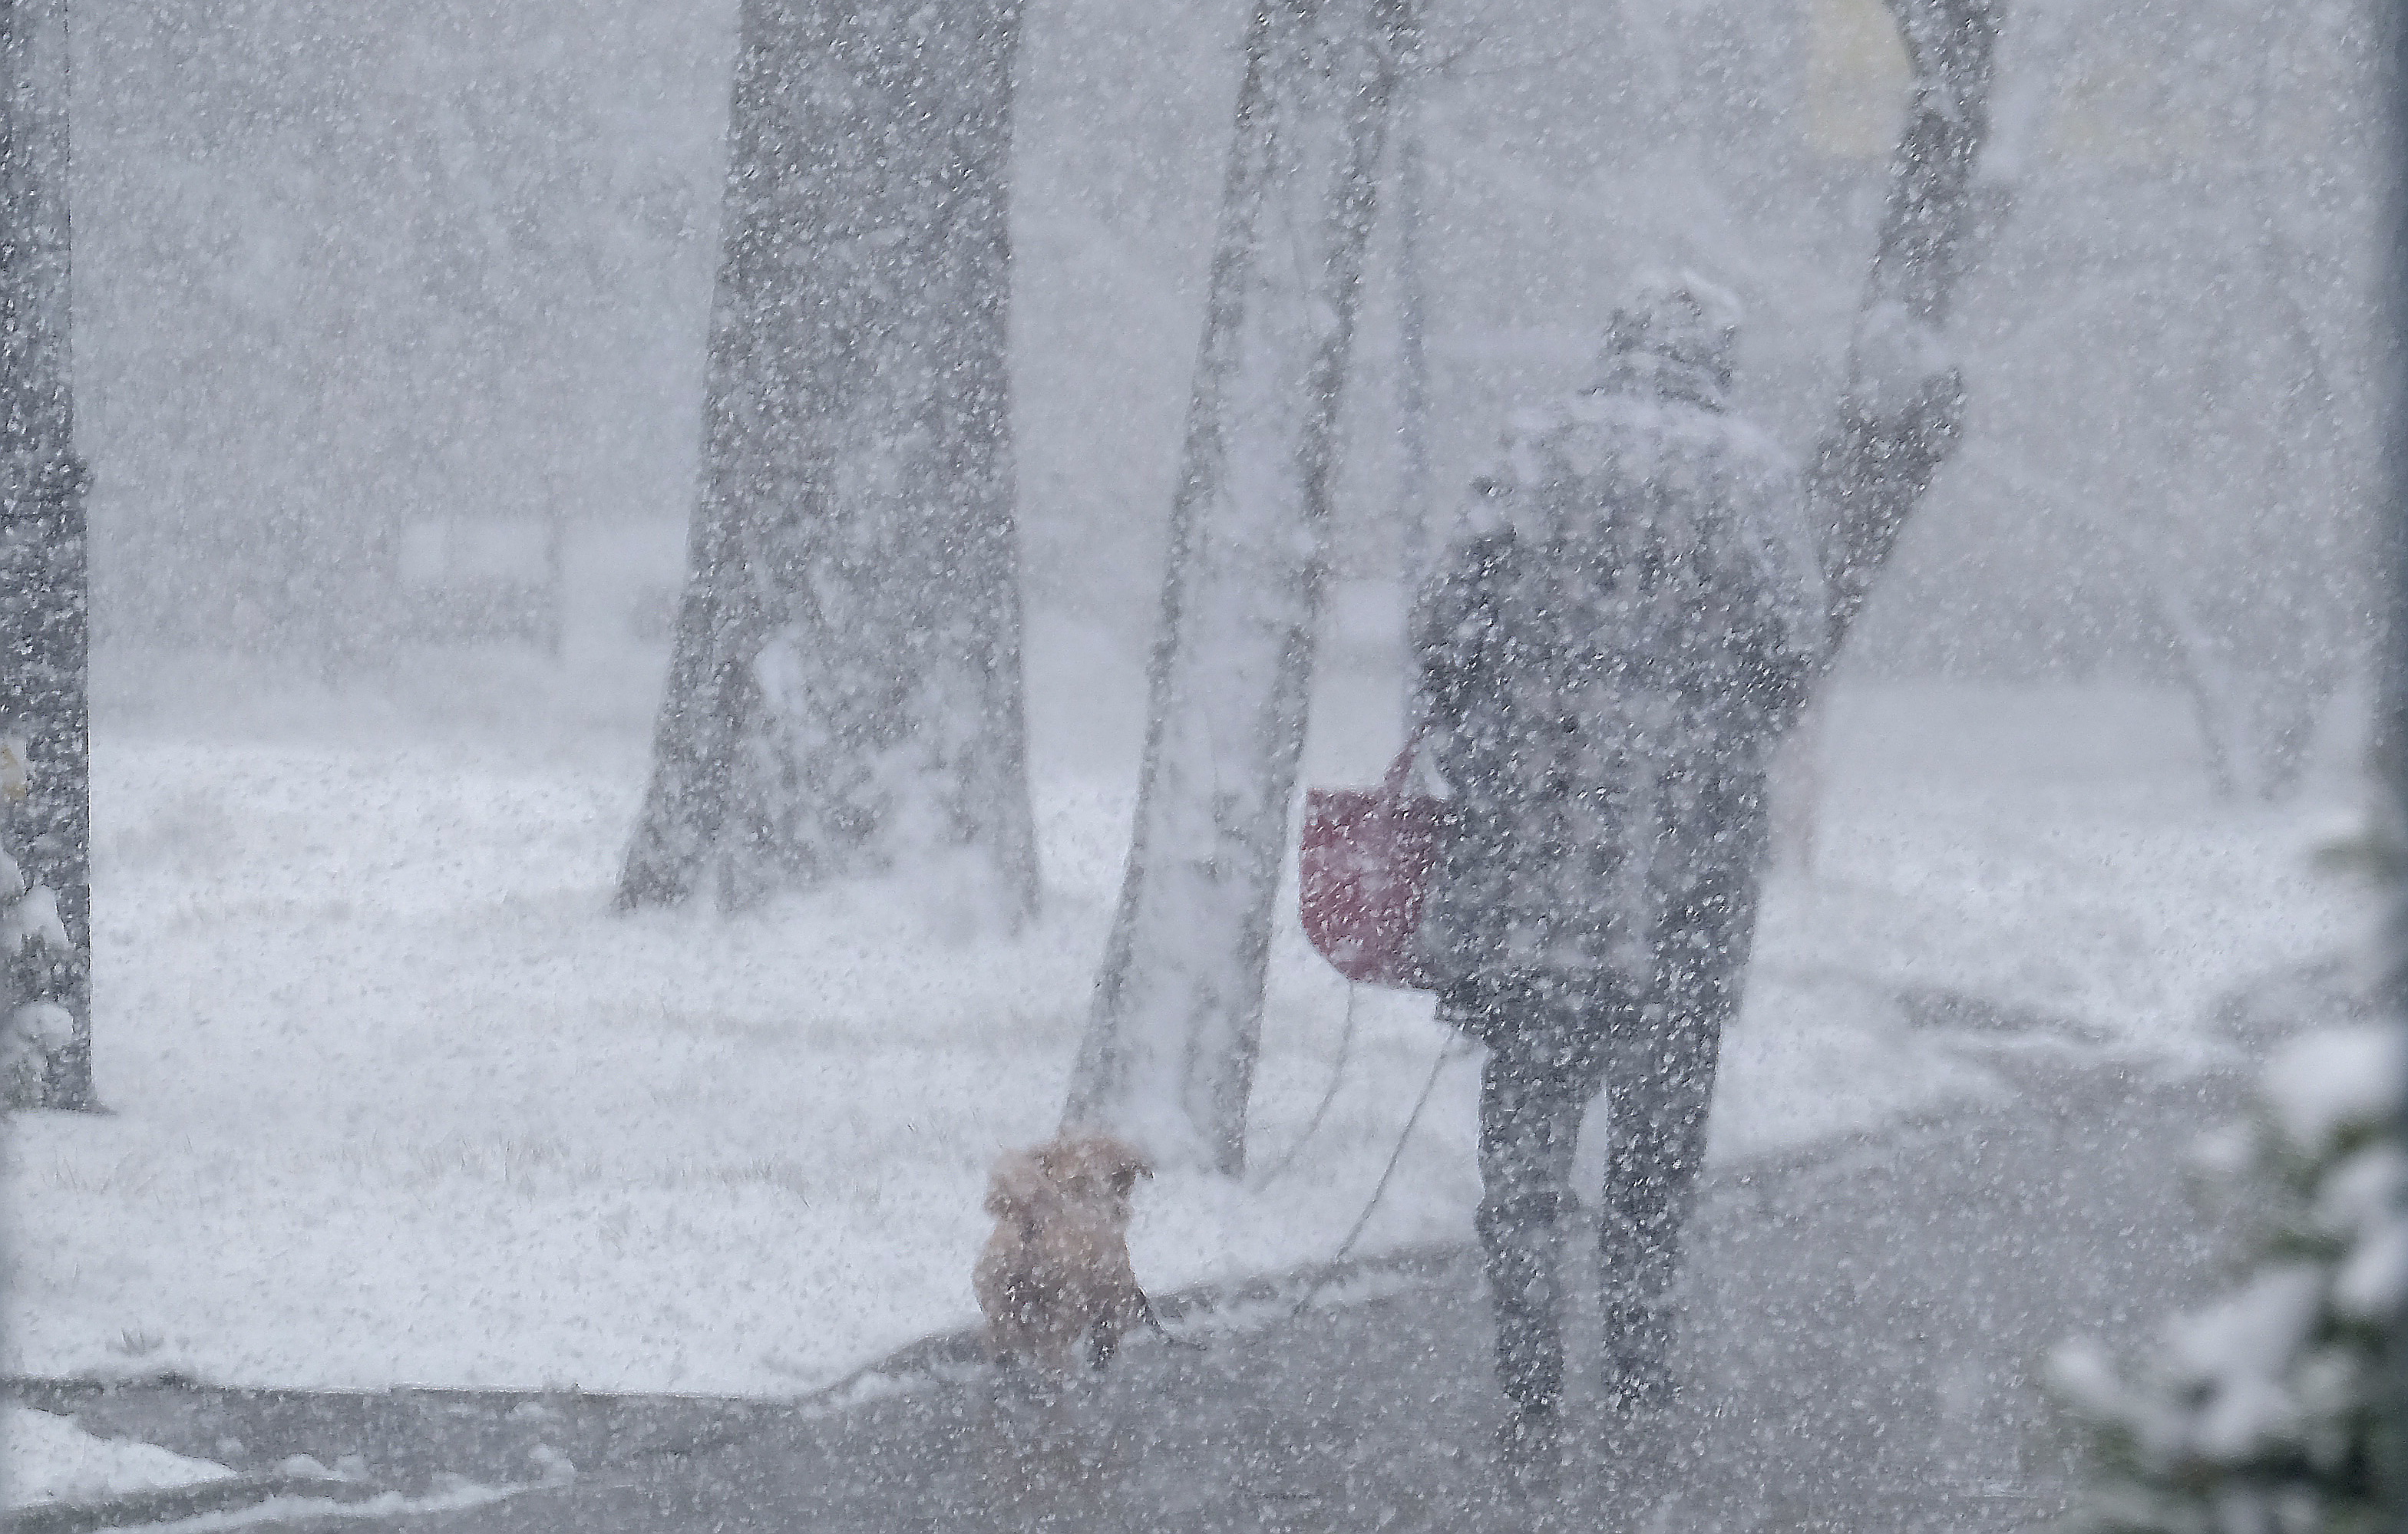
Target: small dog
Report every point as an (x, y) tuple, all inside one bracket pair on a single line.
[(1056, 1275)]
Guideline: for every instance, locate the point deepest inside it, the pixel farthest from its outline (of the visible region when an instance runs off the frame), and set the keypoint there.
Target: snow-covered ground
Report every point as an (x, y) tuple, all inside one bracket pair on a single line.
[(397, 1099), (52, 1459)]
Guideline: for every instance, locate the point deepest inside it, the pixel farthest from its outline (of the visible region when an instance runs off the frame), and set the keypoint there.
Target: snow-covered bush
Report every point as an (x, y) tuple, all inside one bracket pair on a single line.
[(2269, 1410)]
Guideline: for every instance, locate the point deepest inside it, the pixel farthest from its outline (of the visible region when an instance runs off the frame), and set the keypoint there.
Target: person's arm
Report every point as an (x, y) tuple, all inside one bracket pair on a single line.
[(1453, 612), (1775, 601)]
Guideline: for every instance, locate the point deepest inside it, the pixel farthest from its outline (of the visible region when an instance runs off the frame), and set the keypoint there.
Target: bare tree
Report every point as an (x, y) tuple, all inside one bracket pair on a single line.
[(844, 697), (1900, 411), (1169, 1051), (44, 868), (1899, 414), (2266, 691)]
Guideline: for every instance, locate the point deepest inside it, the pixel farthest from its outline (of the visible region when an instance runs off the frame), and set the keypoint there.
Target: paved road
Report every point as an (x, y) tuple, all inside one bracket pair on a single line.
[(1863, 1333)]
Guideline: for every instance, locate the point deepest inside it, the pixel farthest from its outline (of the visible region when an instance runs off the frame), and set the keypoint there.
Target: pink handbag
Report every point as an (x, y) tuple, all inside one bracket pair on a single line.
[(1363, 869)]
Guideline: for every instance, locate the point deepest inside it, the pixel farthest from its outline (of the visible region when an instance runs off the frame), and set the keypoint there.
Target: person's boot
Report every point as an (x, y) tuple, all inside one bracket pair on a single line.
[(1529, 1444), (1637, 1364)]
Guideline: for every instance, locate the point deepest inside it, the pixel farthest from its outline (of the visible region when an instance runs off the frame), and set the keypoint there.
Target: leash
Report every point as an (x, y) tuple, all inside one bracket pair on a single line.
[(1445, 1053), (1145, 1309), (1336, 1074), (1387, 1173)]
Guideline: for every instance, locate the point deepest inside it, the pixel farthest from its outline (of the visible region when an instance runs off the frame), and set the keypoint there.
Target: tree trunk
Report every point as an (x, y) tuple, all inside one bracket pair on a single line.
[(1898, 415), (43, 694), (1169, 1050), (844, 696), (1412, 347)]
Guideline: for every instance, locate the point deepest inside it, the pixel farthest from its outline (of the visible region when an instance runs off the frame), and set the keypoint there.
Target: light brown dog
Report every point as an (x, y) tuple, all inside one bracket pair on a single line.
[(1054, 1279)]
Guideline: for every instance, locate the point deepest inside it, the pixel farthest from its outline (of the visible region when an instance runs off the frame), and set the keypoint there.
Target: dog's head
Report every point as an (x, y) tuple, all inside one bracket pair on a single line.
[(1093, 1173)]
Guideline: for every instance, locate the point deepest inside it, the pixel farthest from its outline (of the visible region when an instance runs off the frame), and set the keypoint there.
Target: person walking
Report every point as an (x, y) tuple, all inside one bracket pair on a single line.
[(1611, 643)]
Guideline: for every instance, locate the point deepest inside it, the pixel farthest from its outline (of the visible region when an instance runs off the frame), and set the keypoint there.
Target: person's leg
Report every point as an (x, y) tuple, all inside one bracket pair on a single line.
[(1657, 1096), (1659, 1087), (1537, 1082)]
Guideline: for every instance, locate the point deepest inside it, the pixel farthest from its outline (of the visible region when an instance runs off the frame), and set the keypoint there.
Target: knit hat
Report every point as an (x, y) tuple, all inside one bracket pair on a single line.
[(1681, 317)]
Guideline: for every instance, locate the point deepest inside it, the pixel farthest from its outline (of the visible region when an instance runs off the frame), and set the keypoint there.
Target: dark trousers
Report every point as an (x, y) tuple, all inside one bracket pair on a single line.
[(1552, 1046)]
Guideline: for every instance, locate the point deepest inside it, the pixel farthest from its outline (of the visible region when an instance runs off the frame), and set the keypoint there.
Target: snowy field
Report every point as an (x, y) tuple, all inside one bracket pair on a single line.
[(396, 1099)]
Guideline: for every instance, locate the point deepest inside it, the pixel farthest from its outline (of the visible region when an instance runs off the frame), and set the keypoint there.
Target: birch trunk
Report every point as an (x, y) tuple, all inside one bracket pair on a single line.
[(1898, 416), (1169, 1051), (844, 695), (46, 971)]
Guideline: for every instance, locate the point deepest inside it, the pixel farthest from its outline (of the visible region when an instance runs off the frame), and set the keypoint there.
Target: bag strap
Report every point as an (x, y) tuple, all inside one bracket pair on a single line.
[(1401, 771)]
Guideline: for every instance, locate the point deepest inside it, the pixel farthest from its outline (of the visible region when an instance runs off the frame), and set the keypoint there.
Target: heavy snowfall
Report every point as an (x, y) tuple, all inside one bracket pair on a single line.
[(707, 616)]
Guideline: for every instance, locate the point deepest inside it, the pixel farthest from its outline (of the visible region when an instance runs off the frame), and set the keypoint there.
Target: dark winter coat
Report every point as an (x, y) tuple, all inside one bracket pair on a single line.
[(1609, 644)]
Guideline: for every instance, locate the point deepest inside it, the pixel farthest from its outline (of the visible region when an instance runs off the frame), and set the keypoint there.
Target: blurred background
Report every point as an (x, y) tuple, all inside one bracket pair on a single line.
[(390, 321)]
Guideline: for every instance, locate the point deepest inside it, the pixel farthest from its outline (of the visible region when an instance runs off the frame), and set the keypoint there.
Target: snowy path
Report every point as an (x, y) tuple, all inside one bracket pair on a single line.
[(396, 1100), (1865, 1324)]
